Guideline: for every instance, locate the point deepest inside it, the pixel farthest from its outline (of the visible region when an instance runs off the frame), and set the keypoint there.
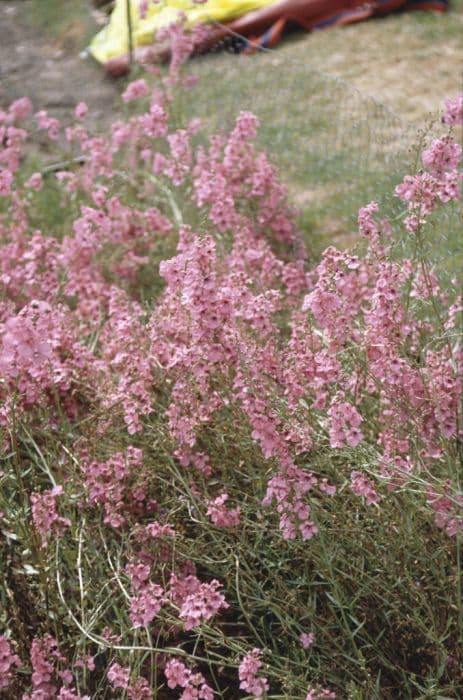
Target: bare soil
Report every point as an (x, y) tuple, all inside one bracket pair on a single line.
[(50, 70)]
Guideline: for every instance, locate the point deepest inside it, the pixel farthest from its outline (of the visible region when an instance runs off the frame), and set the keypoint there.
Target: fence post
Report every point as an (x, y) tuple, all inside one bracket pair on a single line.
[(129, 32)]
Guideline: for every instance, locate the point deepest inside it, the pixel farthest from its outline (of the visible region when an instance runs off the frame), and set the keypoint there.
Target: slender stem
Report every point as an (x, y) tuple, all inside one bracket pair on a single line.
[(459, 589)]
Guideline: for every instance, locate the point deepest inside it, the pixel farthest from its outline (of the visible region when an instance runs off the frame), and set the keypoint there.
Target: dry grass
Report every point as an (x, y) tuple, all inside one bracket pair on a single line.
[(410, 62)]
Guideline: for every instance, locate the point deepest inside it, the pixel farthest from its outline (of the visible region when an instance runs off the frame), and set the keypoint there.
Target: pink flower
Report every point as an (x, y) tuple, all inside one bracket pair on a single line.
[(145, 606), (19, 109), (81, 111), (44, 656), (444, 154), (366, 222), (307, 639), (7, 661), (177, 673), (119, 676), (453, 114), (345, 423), (135, 90), (201, 605), (139, 573), (35, 182), (6, 180), (157, 531), (362, 486), (107, 484), (140, 690), (194, 684), (68, 694), (143, 8), (48, 124), (326, 487), (448, 509), (221, 516), (85, 662), (320, 694), (45, 516), (248, 669)]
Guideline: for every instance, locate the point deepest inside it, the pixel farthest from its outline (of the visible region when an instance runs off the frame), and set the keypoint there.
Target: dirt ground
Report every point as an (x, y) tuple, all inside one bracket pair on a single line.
[(50, 71)]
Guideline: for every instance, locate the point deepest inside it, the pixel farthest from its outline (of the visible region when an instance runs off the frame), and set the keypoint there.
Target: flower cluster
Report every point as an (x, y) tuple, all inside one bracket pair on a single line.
[(45, 516), (220, 515), (201, 603), (193, 684), (361, 485), (46, 660), (110, 484), (145, 606), (307, 639), (440, 182), (320, 694), (453, 114), (119, 678), (448, 509), (248, 671)]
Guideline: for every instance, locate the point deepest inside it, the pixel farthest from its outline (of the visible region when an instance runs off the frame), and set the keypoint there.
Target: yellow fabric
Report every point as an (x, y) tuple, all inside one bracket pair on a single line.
[(112, 41)]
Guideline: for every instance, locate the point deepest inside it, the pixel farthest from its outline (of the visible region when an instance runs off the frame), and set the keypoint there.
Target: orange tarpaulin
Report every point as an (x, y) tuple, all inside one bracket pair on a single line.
[(264, 27)]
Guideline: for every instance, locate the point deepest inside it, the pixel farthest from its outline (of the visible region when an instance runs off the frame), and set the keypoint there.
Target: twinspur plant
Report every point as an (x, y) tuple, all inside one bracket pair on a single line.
[(227, 471)]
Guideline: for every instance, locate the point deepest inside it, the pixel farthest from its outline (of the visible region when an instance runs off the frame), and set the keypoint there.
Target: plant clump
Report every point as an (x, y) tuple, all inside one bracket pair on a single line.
[(227, 470)]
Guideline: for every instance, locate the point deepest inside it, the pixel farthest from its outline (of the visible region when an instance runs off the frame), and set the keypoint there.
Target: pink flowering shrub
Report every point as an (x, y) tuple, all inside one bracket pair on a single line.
[(210, 445)]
